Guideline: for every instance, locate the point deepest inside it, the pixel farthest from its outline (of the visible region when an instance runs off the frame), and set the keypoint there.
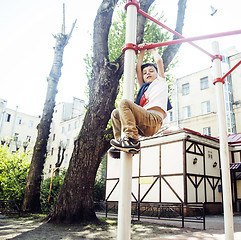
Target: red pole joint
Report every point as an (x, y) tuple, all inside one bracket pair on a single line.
[(132, 2), (129, 46), (218, 80), (217, 57)]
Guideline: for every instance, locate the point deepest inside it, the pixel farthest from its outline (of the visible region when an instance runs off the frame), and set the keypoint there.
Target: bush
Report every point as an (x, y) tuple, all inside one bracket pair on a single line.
[(13, 174), (57, 182), (99, 190)]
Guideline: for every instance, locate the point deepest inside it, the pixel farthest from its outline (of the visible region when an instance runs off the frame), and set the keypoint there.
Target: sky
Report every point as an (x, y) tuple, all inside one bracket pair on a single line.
[(26, 49)]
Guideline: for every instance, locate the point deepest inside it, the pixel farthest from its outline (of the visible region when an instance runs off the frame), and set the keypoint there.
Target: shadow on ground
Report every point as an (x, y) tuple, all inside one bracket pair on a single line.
[(33, 228)]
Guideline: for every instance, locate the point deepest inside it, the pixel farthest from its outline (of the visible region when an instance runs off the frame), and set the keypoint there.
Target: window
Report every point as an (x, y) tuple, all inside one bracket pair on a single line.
[(185, 89), (28, 139), (52, 151), (67, 142), (69, 127), (54, 137), (8, 117), (16, 135), (204, 83), (19, 120), (206, 107), (207, 131), (30, 124), (62, 129), (50, 168), (186, 112)]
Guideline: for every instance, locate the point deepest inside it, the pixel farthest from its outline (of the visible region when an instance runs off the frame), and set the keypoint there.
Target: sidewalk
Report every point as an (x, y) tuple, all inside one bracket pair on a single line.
[(214, 230)]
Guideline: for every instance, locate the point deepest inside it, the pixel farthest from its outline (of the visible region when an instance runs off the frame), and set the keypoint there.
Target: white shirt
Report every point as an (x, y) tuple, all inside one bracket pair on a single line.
[(156, 95)]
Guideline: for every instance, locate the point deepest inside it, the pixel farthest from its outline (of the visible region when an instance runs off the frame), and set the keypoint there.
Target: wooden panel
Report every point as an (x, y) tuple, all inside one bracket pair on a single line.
[(172, 158), (212, 189), (135, 189), (239, 189), (112, 190), (113, 168), (195, 164), (149, 192), (237, 157), (195, 189), (211, 159), (172, 189), (150, 161)]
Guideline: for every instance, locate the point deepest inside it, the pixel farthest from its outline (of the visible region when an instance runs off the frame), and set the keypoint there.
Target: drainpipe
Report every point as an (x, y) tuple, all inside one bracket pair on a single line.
[(177, 102)]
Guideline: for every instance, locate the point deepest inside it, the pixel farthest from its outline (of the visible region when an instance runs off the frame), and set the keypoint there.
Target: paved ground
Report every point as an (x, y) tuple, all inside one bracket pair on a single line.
[(33, 228), (214, 230)]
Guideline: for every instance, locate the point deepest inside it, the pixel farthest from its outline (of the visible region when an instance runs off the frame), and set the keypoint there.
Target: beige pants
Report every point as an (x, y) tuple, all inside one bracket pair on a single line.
[(134, 120)]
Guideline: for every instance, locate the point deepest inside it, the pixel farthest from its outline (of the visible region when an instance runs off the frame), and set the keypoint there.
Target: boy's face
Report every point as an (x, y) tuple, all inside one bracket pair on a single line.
[(149, 74)]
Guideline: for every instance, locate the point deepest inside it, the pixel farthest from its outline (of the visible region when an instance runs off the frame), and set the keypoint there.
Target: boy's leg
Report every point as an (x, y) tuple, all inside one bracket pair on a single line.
[(116, 123), (128, 112), (133, 117)]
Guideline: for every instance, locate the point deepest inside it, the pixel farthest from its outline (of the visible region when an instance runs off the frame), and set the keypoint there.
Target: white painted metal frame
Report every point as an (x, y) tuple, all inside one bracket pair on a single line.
[(124, 205), (224, 153)]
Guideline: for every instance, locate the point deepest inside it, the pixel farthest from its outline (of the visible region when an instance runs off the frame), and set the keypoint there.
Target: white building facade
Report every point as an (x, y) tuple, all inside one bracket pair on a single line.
[(17, 130), (194, 100), (67, 121)]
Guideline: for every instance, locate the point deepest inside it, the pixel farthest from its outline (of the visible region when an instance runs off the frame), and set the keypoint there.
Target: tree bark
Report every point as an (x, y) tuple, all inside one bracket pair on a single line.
[(75, 202), (170, 52), (31, 202)]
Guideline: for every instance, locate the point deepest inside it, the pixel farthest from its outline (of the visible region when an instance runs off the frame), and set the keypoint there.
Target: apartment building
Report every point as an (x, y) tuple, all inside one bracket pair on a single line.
[(17, 130), (67, 121), (194, 100)]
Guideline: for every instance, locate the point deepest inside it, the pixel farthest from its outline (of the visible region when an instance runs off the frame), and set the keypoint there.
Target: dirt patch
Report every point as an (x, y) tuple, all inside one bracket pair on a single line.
[(33, 228)]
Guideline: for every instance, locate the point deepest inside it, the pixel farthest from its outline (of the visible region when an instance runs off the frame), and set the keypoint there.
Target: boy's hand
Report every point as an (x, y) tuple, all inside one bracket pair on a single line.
[(152, 50), (141, 46)]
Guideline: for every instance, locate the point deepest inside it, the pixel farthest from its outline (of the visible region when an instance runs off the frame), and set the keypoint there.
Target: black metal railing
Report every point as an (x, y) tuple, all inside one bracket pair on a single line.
[(194, 213), (10, 207)]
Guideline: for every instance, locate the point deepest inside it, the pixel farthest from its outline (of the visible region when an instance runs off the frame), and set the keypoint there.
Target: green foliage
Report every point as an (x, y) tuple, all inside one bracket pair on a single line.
[(116, 38), (13, 174), (57, 182), (153, 33), (99, 188)]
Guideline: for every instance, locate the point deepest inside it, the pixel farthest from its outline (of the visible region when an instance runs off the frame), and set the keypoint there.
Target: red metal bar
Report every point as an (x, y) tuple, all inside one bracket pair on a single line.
[(218, 80), (132, 2), (129, 46), (177, 41), (224, 76), (217, 57), (172, 31)]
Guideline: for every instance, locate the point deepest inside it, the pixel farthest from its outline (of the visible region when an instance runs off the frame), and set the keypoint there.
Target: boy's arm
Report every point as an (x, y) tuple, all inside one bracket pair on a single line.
[(138, 67), (159, 62)]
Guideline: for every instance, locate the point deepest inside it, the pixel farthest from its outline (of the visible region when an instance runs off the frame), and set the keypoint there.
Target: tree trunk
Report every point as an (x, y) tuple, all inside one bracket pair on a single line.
[(31, 202), (75, 202), (170, 52)]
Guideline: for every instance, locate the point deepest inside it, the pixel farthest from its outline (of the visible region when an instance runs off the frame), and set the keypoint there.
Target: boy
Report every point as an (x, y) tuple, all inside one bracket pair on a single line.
[(144, 117)]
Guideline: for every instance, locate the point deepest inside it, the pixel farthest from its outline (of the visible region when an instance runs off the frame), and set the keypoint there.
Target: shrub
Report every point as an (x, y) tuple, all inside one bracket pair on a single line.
[(48, 197), (99, 190), (13, 174)]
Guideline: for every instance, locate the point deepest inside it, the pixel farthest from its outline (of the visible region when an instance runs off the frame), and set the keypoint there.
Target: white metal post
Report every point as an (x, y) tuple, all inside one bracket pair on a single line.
[(224, 153), (124, 205)]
